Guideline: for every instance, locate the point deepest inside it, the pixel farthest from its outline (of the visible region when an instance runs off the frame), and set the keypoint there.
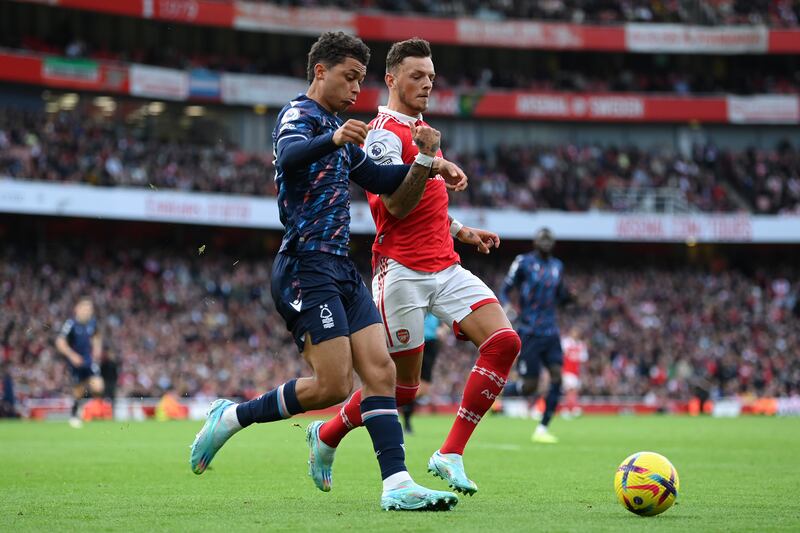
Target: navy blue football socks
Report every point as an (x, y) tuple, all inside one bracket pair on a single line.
[(277, 404), (512, 388), (551, 402), (379, 415)]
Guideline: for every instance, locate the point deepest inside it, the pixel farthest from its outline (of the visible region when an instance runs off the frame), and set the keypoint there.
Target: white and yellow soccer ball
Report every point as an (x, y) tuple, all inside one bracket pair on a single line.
[(646, 483)]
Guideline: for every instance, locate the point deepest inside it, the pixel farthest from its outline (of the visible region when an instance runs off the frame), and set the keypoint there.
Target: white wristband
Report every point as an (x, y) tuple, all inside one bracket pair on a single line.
[(424, 160), (455, 227)]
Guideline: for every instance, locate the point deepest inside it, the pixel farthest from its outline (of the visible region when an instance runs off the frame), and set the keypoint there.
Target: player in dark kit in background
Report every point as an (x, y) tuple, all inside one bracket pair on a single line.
[(81, 343), (538, 279), (316, 287)]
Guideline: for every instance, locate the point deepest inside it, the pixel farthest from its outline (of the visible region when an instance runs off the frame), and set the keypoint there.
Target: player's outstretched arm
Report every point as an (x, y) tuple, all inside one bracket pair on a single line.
[(294, 149), (454, 177), (482, 239), (402, 201), (383, 179)]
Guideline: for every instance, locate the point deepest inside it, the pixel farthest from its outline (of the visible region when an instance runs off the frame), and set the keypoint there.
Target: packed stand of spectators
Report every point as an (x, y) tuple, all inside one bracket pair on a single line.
[(771, 178), (586, 177), (545, 71), (89, 148), (205, 326), (79, 146), (782, 13)]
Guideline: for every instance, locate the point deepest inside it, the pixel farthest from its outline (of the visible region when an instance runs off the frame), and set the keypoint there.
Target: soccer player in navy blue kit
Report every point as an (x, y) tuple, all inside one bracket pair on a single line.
[(316, 287), (80, 342), (537, 278)]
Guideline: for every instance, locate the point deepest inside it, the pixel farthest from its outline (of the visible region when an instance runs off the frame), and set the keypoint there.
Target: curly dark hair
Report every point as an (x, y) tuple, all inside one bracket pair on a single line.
[(332, 48), (414, 47)]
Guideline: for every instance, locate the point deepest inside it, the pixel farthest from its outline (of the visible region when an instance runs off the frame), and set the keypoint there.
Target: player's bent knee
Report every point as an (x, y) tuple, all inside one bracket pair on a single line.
[(333, 393), (503, 345), (334, 389), (555, 375), (384, 371)]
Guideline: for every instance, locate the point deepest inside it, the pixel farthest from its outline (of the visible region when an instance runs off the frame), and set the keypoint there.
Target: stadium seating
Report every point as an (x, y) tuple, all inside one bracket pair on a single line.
[(87, 147), (204, 327)]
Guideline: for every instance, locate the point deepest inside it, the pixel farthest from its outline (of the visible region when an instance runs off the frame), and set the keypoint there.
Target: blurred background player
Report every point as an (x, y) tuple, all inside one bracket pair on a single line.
[(429, 353), (315, 285), (109, 371), (8, 400), (81, 343), (576, 352), (417, 270), (536, 277)]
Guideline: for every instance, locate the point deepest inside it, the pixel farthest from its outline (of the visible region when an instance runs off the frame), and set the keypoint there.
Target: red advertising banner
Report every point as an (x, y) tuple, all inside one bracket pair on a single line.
[(649, 38), (565, 106), (128, 8), (242, 89), (199, 12), (21, 68), (784, 41)]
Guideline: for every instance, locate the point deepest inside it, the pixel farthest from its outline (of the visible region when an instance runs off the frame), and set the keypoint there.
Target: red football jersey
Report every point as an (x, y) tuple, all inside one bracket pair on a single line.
[(575, 353), (420, 241)]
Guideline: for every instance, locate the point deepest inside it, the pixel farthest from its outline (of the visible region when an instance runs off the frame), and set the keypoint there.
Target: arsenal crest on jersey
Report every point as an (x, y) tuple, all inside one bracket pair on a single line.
[(403, 335)]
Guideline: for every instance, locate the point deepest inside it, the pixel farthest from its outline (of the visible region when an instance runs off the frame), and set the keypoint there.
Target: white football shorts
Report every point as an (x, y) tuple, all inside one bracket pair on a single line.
[(404, 296), (571, 381)]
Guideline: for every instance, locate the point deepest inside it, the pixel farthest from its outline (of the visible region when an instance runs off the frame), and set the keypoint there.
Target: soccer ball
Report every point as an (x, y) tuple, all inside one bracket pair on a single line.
[(646, 483)]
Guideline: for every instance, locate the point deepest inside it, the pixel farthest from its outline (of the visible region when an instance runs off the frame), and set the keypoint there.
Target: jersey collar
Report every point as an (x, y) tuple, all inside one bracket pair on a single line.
[(405, 119)]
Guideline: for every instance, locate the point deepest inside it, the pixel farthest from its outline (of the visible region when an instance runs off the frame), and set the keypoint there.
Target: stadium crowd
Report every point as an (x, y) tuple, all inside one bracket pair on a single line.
[(205, 325), (79, 146)]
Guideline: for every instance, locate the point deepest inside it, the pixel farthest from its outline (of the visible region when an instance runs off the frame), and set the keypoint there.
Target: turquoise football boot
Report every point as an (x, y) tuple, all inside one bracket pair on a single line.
[(450, 467), (412, 497), (320, 458), (210, 438)]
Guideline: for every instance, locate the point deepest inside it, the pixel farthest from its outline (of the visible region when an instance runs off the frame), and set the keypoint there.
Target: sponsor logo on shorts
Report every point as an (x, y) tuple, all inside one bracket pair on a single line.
[(403, 335), (326, 315)]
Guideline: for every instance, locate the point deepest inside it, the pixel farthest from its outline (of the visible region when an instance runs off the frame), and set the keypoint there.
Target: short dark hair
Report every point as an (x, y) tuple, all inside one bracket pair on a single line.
[(414, 47), (332, 48)]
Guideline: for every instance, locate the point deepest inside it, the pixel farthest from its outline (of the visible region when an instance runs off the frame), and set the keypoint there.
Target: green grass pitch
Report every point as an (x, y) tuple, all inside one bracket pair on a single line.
[(736, 475)]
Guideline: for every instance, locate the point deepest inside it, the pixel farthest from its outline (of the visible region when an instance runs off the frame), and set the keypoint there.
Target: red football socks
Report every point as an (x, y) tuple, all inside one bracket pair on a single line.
[(485, 383), (334, 430)]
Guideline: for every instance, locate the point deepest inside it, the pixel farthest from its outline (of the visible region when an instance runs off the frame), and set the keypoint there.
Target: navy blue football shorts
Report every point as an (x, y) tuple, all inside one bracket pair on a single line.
[(82, 373), (321, 294), (538, 351)]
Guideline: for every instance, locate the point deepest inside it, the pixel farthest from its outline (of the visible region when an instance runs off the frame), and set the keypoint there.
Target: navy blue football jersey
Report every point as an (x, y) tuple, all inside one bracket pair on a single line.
[(541, 288), (79, 337)]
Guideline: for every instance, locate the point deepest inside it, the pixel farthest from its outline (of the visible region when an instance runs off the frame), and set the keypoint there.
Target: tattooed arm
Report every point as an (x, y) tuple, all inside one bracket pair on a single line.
[(402, 201)]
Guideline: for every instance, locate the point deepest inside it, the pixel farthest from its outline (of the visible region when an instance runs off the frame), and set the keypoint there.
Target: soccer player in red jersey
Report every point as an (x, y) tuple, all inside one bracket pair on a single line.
[(576, 352), (416, 270)]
